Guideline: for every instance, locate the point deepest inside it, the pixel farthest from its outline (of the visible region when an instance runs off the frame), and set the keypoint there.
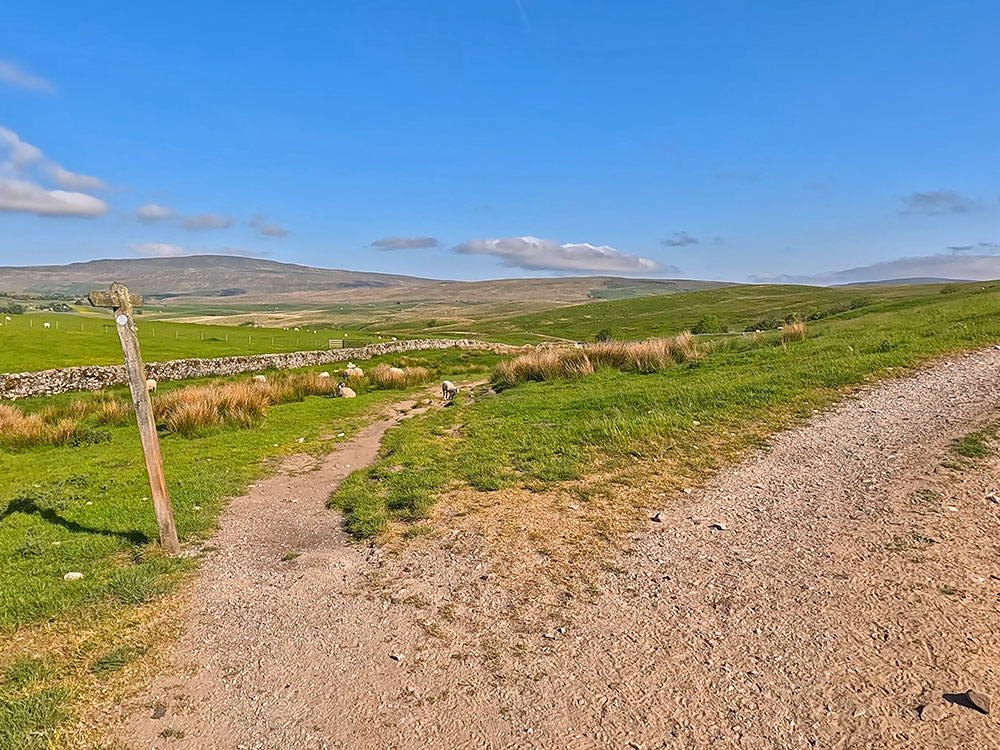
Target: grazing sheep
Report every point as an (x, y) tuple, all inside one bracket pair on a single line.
[(354, 372), (345, 392), (259, 379), (398, 371), (151, 385), (324, 374), (448, 391), (46, 325)]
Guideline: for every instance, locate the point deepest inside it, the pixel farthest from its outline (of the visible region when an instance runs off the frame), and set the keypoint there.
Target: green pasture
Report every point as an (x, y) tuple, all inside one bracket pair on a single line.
[(73, 339)]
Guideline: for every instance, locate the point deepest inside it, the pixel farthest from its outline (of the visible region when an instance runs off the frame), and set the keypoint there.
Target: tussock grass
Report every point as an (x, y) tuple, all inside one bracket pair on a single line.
[(113, 412), (550, 363), (20, 431), (387, 377), (793, 332)]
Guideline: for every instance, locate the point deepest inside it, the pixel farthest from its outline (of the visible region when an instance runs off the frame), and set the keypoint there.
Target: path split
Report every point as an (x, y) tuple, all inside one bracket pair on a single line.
[(836, 590)]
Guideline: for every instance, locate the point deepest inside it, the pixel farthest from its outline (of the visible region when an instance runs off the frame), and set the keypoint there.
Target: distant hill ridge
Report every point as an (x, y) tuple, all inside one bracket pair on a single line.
[(224, 276)]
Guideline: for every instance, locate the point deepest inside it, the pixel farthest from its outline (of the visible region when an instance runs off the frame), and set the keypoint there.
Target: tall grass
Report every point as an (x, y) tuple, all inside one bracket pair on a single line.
[(19, 430), (793, 332), (550, 363), (386, 377)]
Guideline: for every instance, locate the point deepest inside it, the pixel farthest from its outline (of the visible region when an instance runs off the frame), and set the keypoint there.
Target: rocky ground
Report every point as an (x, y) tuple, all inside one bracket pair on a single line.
[(837, 590)]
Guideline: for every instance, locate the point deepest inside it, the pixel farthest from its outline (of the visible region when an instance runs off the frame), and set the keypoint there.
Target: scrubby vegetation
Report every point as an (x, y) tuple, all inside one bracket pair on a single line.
[(551, 363)]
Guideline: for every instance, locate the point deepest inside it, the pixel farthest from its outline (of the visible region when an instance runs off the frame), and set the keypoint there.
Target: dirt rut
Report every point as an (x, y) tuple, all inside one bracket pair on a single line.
[(820, 594)]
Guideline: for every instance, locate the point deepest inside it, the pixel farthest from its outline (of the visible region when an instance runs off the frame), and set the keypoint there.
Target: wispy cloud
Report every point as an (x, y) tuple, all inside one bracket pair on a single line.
[(152, 212), (169, 250), (679, 239), (939, 202), (405, 243), (21, 196), (74, 181), (982, 247), (199, 222), (536, 254), (23, 166), (14, 75), (264, 229), (979, 266)]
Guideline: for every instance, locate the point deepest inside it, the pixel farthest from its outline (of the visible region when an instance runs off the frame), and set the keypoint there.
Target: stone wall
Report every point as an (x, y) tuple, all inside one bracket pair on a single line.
[(94, 378)]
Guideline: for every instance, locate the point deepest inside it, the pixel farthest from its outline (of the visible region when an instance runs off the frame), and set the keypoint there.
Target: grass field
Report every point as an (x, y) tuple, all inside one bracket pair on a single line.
[(730, 308), (25, 345), (85, 509), (539, 433)]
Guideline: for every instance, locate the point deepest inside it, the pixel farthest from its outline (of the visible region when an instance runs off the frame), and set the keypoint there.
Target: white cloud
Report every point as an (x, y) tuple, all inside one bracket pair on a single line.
[(20, 153), (536, 254), (26, 197), (979, 267), (13, 75), (159, 250), (168, 250), (199, 222), (75, 181), (272, 230), (151, 212)]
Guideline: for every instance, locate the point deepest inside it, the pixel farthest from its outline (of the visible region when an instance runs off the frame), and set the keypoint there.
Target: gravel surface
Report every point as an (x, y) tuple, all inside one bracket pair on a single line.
[(837, 590)]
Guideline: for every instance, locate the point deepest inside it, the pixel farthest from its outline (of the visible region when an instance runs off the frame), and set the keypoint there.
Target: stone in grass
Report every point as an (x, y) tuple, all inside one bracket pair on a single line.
[(656, 518), (73, 576), (718, 526), (396, 657)]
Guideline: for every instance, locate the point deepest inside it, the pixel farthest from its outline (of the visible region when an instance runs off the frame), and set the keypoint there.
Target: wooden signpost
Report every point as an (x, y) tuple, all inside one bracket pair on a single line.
[(121, 302)]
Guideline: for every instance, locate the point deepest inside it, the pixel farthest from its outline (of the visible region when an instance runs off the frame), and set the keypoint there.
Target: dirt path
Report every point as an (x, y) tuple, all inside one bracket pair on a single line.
[(852, 582)]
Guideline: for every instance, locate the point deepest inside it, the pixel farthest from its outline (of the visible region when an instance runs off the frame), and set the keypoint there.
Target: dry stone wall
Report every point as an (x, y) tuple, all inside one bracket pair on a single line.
[(94, 378)]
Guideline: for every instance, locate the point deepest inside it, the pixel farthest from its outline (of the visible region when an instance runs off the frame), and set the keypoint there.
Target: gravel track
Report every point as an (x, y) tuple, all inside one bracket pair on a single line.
[(819, 594)]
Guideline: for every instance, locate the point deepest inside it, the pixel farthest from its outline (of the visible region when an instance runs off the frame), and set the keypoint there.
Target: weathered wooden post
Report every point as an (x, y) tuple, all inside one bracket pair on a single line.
[(121, 303)]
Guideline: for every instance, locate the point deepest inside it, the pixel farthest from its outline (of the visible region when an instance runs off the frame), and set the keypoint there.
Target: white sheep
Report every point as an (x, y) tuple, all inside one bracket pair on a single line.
[(259, 379), (345, 392), (448, 391), (7, 318), (324, 374), (396, 371), (151, 385), (354, 372), (46, 325)]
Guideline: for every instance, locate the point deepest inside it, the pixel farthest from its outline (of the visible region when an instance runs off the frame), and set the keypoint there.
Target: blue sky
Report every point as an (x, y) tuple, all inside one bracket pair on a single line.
[(722, 140)]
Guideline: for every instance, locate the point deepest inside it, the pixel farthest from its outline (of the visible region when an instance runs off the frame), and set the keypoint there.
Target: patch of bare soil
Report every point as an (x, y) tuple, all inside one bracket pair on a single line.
[(838, 590)]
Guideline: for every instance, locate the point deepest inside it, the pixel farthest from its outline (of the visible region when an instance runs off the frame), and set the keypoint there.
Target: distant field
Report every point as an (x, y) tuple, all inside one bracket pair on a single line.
[(730, 308), (25, 345)]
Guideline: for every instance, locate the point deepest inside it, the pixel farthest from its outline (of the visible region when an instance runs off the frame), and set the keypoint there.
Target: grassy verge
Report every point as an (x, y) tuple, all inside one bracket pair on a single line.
[(537, 433), (85, 509)]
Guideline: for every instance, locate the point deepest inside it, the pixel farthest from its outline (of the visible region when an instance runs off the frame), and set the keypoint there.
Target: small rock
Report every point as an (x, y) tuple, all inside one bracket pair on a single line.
[(934, 711), (718, 526), (396, 657), (656, 518), (300, 440), (979, 701), (992, 498), (159, 712), (73, 576)]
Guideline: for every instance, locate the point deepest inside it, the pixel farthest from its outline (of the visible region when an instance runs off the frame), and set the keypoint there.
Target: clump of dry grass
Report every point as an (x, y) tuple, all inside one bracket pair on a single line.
[(793, 332), (387, 377), (19, 430), (113, 412), (550, 363), (199, 407)]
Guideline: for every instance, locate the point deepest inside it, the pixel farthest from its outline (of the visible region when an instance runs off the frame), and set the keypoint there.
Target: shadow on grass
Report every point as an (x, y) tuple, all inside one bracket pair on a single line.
[(29, 506)]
